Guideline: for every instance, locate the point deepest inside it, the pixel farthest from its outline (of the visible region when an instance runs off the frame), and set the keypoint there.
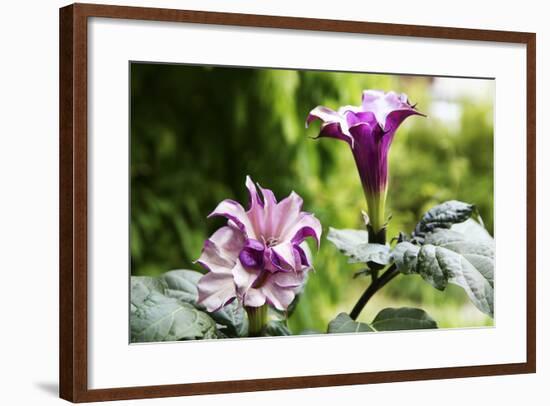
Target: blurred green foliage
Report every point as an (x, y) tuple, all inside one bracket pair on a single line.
[(196, 132)]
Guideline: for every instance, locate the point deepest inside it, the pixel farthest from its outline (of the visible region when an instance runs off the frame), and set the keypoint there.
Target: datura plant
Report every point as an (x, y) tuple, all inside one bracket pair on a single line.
[(257, 264), (369, 130), (259, 257)]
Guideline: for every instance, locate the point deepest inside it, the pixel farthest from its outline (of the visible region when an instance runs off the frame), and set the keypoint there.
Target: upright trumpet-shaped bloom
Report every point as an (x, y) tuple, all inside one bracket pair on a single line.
[(369, 130), (260, 256)]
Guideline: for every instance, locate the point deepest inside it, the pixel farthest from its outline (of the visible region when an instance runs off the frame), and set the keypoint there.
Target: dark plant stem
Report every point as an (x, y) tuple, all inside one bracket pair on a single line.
[(375, 286), (377, 282)]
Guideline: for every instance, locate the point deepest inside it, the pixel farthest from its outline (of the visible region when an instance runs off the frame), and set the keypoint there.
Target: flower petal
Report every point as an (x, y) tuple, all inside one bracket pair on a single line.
[(216, 290), (334, 124), (372, 145), (212, 260), (370, 97), (277, 296), (256, 211), (221, 250), (324, 114), (254, 298), (269, 197), (354, 118), (286, 261), (287, 213), (396, 117), (252, 254), (229, 240), (255, 199), (234, 212), (289, 279), (345, 109), (268, 220), (307, 225), (301, 257), (383, 105), (244, 278)]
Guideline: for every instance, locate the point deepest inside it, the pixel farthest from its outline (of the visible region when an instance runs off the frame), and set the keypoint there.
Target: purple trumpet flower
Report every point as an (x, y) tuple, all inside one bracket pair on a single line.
[(260, 256), (369, 130)]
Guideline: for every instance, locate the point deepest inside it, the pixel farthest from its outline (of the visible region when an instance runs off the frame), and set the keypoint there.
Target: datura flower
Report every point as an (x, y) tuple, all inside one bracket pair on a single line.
[(369, 130), (260, 256)]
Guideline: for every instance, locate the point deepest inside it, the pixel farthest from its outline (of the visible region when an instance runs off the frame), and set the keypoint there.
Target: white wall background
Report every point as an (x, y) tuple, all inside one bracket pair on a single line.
[(29, 193)]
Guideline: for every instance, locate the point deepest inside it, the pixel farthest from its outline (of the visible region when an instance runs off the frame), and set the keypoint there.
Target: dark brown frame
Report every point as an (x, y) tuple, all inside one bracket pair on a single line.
[(73, 201)]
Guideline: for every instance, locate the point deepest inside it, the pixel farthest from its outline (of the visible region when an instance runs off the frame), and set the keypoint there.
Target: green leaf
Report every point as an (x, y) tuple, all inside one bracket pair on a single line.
[(444, 216), (182, 284), (479, 255), (473, 231), (404, 255), (355, 245), (448, 256), (404, 318), (233, 319), (161, 318), (276, 328), (141, 287), (345, 324)]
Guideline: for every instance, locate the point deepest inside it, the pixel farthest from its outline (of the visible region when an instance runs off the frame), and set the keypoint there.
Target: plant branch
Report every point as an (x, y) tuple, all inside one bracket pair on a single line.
[(374, 287)]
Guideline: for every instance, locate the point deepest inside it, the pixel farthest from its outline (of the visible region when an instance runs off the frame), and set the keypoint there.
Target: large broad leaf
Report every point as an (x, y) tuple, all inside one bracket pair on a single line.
[(162, 318), (355, 245), (233, 319), (443, 216), (141, 287), (481, 255), (404, 318), (345, 324), (448, 256), (181, 284), (405, 255), (276, 328), (473, 231)]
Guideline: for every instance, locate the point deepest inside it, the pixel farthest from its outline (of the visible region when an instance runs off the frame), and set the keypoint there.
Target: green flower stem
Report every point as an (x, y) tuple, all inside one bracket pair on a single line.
[(257, 319), (376, 206), (374, 287)]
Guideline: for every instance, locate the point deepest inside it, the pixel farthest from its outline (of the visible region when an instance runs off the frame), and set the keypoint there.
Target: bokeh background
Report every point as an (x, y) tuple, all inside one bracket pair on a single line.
[(196, 132)]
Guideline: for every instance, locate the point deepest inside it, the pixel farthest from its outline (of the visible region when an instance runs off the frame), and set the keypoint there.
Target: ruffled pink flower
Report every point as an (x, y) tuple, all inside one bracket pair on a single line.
[(260, 256)]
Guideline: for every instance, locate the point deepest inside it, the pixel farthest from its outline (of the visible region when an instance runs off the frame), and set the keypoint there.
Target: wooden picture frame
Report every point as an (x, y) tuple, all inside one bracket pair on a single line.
[(73, 207)]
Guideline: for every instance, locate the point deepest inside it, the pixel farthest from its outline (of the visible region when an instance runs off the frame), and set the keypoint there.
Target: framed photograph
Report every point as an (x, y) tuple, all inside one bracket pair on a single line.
[(255, 202)]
